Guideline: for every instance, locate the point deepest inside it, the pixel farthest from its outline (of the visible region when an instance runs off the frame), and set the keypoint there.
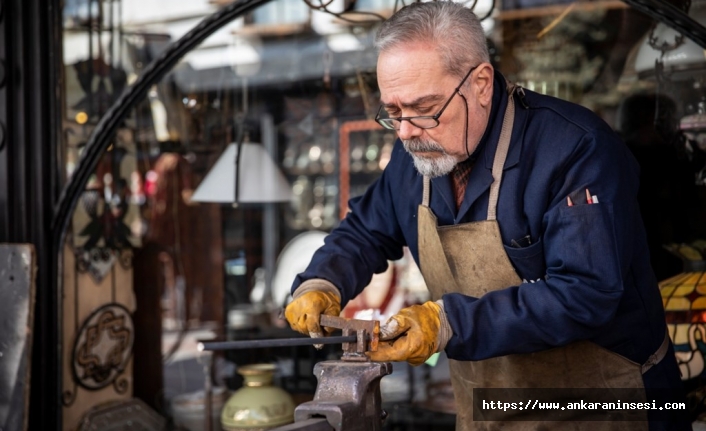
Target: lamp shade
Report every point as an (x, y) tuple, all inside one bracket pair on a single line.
[(684, 300), (680, 62), (259, 178)]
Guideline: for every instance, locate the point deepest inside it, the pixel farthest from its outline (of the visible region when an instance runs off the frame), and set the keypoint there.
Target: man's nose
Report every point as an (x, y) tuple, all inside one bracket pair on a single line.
[(408, 130)]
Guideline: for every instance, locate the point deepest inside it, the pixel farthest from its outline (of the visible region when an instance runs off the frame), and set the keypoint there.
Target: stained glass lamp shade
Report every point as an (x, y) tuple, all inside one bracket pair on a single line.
[(684, 299)]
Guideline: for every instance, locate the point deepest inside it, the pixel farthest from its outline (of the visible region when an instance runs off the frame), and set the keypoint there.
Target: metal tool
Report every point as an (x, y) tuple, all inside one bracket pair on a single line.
[(348, 391), (359, 336), (276, 342), (367, 333), (347, 395)]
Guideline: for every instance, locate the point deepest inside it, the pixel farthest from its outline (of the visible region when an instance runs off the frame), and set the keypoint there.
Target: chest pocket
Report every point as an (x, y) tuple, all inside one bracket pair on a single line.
[(528, 261)]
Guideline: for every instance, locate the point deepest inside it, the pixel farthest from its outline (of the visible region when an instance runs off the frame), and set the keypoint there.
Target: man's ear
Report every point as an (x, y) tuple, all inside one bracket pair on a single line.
[(482, 85)]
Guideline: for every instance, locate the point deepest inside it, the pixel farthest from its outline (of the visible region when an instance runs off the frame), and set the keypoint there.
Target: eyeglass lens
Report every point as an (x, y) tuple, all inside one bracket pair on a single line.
[(396, 123)]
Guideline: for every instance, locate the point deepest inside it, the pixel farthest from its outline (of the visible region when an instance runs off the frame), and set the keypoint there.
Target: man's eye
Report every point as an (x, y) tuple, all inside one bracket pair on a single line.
[(424, 111)]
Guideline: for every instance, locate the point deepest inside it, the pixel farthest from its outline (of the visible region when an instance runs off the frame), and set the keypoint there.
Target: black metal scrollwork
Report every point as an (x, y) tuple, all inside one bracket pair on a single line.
[(69, 397), (103, 348), (121, 385), (331, 8)]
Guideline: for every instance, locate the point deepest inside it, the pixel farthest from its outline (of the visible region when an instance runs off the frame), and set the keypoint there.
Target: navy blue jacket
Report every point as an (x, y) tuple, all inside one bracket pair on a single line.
[(588, 264)]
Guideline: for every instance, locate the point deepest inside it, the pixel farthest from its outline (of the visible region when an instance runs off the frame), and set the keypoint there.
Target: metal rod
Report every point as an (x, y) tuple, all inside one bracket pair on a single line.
[(270, 225), (316, 424), (279, 342), (208, 393)]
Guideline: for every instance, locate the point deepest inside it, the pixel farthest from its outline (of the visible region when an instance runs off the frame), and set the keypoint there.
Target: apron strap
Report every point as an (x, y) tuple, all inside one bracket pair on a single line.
[(425, 191), (501, 152), (658, 355)]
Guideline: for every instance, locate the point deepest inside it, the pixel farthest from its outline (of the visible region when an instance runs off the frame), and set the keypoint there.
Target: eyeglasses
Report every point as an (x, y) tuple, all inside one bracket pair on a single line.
[(421, 121)]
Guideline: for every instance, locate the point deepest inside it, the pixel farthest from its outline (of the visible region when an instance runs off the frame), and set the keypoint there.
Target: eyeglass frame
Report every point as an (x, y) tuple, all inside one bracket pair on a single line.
[(435, 117)]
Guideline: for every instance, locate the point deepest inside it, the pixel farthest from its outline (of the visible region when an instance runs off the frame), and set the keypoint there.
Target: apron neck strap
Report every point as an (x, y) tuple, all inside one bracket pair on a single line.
[(425, 191), (498, 162), (501, 152)]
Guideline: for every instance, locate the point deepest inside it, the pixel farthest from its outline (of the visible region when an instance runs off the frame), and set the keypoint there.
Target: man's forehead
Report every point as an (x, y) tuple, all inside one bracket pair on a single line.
[(408, 62), (415, 102), (406, 75), (411, 88)]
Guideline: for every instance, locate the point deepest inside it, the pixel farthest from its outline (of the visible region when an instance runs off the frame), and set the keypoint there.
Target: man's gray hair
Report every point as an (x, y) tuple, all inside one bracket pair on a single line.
[(453, 28)]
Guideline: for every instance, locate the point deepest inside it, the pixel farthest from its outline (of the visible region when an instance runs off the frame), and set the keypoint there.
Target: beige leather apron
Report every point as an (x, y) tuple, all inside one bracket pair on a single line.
[(470, 259)]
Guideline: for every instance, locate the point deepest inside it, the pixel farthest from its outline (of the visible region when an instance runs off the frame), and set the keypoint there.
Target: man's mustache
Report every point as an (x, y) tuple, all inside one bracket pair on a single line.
[(420, 146)]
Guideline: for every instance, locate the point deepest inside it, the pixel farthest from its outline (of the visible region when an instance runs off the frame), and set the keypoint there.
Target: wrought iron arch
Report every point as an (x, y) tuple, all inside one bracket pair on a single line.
[(108, 124)]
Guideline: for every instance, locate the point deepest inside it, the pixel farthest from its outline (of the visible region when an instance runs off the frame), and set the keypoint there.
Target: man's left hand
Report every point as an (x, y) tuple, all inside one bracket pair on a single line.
[(413, 334)]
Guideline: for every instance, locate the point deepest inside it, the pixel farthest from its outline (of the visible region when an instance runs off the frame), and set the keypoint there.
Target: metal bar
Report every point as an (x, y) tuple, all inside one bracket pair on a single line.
[(270, 225), (208, 394), (318, 424), (277, 342)]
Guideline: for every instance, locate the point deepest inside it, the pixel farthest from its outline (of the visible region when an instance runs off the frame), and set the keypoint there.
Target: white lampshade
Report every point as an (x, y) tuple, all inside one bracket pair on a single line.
[(259, 178), (680, 62)]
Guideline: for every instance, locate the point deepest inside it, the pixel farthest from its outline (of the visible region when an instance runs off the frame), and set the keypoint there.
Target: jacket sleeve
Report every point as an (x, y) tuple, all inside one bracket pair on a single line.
[(363, 243), (587, 249)]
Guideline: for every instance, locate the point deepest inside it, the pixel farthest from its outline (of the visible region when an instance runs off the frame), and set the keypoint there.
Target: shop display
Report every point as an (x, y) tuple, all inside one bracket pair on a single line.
[(309, 159)]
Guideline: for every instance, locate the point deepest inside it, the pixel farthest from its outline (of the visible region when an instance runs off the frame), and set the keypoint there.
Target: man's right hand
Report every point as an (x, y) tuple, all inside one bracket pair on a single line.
[(304, 312)]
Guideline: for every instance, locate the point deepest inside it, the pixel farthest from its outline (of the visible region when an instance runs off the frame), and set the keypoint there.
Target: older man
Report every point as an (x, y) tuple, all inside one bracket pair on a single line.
[(523, 221)]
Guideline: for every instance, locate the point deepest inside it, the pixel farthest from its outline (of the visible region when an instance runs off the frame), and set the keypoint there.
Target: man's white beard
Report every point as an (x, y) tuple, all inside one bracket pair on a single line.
[(430, 167)]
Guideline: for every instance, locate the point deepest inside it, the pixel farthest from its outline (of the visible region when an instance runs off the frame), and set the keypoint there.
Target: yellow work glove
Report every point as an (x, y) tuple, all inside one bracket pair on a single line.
[(413, 334), (304, 311)]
